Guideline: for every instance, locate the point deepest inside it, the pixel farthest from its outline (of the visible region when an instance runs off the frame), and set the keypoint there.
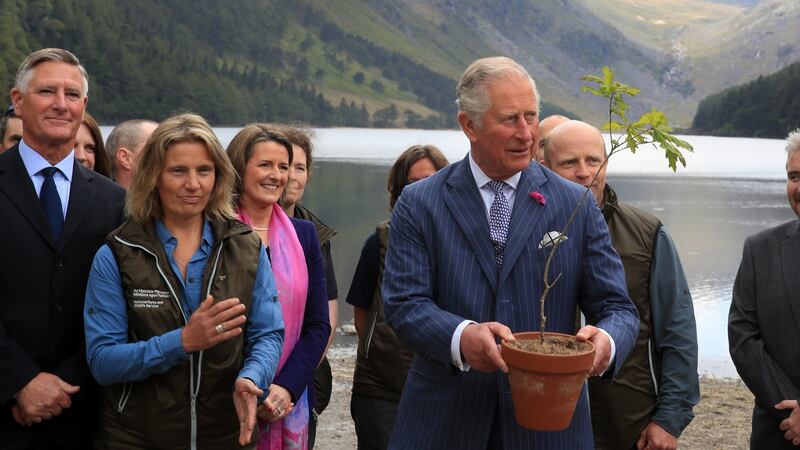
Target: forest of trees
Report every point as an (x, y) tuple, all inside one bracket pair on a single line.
[(768, 107), (224, 60)]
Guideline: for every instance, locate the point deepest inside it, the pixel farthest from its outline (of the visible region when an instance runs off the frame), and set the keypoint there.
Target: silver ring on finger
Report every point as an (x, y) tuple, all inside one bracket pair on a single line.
[(278, 411), (220, 328)]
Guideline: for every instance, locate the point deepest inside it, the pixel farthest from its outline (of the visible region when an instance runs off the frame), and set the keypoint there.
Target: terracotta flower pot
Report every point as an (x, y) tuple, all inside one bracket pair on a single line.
[(545, 388)]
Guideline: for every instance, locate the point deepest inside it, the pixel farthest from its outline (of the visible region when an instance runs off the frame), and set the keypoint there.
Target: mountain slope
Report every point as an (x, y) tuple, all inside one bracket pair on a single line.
[(709, 45), (759, 41), (234, 62), (557, 40)]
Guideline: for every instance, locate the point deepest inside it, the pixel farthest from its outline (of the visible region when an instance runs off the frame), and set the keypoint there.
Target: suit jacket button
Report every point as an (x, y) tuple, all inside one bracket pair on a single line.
[(59, 264), (59, 308)]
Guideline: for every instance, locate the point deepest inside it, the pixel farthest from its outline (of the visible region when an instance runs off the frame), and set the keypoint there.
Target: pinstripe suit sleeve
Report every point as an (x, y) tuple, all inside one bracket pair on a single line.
[(605, 299), (408, 283)]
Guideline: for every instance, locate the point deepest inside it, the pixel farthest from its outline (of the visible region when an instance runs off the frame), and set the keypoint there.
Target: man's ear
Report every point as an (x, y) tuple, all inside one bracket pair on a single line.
[(468, 125), (16, 100), (124, 158)]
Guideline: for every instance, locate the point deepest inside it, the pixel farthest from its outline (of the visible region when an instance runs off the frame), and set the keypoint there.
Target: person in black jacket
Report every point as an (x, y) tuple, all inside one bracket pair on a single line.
[(10, 129), (382, 361), (55, 215)]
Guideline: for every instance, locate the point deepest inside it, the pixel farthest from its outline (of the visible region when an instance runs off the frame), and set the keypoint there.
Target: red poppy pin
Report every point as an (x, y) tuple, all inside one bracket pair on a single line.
[(536, 195)]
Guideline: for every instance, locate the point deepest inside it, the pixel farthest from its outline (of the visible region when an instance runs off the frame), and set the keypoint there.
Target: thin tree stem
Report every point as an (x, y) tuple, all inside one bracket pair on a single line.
[(547, 284)]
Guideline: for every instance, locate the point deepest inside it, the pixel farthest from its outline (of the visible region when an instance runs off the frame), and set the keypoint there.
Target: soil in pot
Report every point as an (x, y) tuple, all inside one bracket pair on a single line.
[(551, 345), (546, 378)]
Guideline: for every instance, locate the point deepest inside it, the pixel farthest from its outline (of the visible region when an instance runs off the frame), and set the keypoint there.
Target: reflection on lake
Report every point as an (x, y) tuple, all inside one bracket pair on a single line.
[(709, 218)]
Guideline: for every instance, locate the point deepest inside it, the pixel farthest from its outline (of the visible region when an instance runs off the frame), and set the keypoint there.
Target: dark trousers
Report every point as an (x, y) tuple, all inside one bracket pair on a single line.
[(38, 443), (72, 430), (619, 414), (374, 420), (323, 387)]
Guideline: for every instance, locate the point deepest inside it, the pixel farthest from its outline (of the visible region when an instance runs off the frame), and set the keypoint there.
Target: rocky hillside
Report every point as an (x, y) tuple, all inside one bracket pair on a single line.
[(709, 45)]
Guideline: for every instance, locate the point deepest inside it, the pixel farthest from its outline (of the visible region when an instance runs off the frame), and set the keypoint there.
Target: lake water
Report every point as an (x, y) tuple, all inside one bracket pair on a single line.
[(731, 188)]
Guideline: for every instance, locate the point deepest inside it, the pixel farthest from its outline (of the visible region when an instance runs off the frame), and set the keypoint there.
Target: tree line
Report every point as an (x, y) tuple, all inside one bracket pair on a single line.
[(768, 107)]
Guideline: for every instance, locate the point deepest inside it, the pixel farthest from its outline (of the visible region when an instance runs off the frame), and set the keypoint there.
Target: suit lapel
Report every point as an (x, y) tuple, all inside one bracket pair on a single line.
[(17, 185), (790, 264), (465, 204), (525, 217), (81, 195)]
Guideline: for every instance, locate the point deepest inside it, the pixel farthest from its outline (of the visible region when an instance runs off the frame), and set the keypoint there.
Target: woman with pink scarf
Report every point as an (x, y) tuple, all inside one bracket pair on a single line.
[(262, 157)]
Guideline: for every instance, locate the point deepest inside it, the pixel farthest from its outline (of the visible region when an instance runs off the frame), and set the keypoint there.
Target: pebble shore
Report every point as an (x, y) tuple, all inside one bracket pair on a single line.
[(722, 419)]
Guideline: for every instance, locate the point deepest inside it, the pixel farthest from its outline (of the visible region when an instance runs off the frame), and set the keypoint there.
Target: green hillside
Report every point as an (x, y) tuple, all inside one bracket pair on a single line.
[(234, 62), (337, 63), (768, 107), (391, 63)]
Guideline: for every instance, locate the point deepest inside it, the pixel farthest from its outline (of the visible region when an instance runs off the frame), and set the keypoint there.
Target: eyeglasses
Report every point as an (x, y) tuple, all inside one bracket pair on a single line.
[(10, 112)]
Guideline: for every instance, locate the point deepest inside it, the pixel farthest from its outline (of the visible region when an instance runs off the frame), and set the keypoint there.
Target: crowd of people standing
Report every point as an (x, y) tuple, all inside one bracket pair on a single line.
[(189, 303), (180, 307)]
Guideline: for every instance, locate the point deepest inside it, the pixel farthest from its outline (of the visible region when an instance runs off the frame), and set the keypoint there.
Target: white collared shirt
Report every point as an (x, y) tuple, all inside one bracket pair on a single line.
[(481, 180)]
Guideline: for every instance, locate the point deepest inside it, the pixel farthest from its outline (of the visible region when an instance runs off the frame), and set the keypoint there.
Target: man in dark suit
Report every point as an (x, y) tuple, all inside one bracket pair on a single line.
[(464, 267), (55, 215), (764, 321)]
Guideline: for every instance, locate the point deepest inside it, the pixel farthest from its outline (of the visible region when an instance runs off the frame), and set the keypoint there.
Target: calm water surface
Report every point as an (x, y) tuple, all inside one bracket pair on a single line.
[(731, 188)]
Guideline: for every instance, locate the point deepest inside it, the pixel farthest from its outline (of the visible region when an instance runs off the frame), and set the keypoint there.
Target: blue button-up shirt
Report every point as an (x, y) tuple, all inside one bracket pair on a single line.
[(34, 163), (112, 359)]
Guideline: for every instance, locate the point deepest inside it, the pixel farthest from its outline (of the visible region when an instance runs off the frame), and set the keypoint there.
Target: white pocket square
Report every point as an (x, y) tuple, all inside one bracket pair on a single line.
[(550, 238)]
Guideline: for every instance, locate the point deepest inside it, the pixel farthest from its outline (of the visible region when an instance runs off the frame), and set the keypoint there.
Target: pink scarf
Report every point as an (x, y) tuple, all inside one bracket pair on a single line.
[(291, 279)]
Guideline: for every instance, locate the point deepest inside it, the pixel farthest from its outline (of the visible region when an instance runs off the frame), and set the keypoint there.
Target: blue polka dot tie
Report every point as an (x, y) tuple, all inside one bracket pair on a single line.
[(51, 202), (499, 218)]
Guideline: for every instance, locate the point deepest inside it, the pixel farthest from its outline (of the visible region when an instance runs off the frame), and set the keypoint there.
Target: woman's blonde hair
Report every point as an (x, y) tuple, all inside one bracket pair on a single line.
[(242, 145), (143, 203)]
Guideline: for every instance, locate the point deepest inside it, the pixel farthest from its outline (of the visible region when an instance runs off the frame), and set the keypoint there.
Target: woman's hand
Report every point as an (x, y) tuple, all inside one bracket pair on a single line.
[(213, 323), (277, 405), (245, 399)]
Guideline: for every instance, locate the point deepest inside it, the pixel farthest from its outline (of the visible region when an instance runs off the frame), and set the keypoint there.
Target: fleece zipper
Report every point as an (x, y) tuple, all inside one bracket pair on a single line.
[(650, 361), (193, 394), (195, 387)]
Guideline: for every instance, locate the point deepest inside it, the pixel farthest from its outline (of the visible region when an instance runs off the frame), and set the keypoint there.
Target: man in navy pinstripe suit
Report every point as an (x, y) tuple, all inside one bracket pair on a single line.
[(452, 287)]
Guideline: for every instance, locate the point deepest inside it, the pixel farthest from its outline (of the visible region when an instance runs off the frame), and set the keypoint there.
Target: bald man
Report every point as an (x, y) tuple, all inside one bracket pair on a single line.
[(545, 127), (649, 402), (123, 146)]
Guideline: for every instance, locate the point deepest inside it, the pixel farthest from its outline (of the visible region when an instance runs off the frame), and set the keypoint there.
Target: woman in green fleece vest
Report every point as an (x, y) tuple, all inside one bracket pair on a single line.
[(183, 327)]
